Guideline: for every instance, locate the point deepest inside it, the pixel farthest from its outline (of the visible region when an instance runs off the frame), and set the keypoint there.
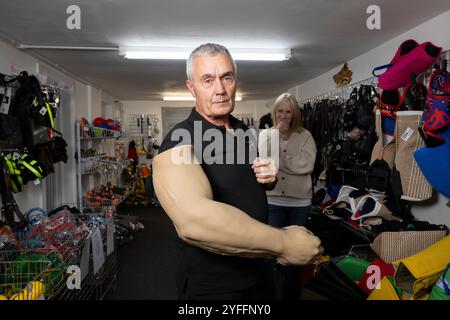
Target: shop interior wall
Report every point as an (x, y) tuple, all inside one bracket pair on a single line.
[(256, 108), (84, 101), (434, 30)]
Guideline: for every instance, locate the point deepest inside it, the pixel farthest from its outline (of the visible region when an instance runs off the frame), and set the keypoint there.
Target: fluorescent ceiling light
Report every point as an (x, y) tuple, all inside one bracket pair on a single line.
[(187, 98), (255, 54)]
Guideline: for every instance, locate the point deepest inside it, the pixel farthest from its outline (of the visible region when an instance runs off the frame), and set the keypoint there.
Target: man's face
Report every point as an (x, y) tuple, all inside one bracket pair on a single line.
[(213, 85)]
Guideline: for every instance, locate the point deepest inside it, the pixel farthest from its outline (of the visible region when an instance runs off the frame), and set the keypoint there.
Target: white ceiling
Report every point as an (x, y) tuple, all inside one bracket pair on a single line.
[(321, 33)]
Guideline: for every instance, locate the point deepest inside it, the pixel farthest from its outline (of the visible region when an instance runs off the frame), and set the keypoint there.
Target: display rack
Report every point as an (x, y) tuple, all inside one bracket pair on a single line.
[(104, 168)]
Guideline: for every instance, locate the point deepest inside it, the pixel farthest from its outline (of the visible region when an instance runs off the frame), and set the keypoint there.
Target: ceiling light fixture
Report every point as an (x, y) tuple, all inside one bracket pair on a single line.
[(254, 54), (188, 98)]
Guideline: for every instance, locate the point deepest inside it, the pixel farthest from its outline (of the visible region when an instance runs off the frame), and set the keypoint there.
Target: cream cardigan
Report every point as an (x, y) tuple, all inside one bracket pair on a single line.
[(297, 158)]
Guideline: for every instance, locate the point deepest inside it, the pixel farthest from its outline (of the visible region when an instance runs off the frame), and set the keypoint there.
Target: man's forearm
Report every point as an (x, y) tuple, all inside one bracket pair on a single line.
[(230, 231)]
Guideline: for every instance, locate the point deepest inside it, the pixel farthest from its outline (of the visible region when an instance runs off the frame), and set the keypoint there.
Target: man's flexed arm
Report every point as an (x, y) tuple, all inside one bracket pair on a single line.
[(185, 194)]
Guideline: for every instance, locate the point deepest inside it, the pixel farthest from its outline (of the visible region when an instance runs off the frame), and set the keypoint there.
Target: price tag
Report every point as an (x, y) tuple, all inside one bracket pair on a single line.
[(109, 236), (407, 134), (97, 250), (85, 258)]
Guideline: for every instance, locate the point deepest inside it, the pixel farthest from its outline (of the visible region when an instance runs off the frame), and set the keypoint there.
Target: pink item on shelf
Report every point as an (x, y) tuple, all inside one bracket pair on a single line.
[(410, 58)]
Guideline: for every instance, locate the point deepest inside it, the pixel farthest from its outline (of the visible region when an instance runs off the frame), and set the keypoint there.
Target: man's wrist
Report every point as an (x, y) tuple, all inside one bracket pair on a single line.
[(270, 186)]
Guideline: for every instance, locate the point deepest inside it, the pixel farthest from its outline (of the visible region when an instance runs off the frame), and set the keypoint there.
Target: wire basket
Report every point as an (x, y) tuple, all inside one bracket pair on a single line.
[(35, 274), (93, 203), (363, 251)]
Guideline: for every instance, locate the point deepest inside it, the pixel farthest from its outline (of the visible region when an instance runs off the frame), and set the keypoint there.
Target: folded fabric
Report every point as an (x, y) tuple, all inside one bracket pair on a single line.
[(367, 281), (344, 193), (441, 290), (435, 165), (410, 58), (419, 272), (353, 267), (386, 291), (368, 206), (334, 284), (392, 246)]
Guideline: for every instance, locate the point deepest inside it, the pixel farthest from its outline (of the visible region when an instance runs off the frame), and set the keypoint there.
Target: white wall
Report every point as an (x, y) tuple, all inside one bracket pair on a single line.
[(434, 30), (84, 100), (256, 108)]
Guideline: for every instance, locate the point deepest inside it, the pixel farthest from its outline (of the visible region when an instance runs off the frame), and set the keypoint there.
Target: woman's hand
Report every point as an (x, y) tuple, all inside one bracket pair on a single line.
[(283, 127)]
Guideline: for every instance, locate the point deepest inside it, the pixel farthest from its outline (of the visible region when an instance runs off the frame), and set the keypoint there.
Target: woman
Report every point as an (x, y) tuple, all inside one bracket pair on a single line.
[(290, 201)]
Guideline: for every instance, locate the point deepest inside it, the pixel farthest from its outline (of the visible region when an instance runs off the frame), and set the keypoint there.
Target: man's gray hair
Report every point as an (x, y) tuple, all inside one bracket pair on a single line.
[(207, 50)]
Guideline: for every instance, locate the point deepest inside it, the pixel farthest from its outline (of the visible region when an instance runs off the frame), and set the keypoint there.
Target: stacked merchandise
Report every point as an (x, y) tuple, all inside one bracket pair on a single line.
[(409, 265), (409, 159), (101, 128), (29, 143), (142, 195), (110, 186), (34, 259)]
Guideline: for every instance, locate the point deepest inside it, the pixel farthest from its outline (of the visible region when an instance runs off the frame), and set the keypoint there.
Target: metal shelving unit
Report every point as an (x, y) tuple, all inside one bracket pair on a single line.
[(97, 165)]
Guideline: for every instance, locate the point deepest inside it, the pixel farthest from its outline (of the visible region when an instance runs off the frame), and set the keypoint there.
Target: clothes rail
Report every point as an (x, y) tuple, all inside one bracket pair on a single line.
[(341, 92), (344, 91)]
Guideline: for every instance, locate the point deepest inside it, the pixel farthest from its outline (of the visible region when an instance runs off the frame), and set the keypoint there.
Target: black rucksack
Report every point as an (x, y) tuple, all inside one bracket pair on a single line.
[(30, 102)]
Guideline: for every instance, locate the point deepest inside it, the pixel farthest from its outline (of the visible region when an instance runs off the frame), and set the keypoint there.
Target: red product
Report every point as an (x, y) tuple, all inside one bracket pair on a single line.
[(99, 122), (386, 269)]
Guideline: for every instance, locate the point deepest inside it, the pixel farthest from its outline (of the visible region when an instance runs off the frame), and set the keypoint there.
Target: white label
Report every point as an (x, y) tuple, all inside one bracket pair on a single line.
[(6, 101), (37, 182), (97, 250), (43, 111), (407, 134)]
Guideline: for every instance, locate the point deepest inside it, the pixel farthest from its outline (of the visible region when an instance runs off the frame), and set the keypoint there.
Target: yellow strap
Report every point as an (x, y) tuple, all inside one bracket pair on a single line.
[(52, 121)]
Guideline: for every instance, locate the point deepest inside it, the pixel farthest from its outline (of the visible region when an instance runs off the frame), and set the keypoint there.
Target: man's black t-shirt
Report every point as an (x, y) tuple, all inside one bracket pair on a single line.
[(199, 270)]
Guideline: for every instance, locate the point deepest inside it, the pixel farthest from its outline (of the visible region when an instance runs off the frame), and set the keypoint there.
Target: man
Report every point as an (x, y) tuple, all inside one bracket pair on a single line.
[(219, 209)]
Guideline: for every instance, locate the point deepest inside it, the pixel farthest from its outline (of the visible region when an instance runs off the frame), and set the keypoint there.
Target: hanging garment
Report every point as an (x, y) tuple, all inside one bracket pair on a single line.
[(384, 148), (415, 187), (436, 116), (415, 97)]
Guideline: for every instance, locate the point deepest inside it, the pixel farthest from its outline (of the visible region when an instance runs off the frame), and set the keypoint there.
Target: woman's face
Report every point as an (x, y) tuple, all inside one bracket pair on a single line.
[(284, 113)]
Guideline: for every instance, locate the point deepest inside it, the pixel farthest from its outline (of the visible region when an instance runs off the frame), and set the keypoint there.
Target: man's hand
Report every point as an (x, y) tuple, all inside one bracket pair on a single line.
[(265, 170), (300, 246)]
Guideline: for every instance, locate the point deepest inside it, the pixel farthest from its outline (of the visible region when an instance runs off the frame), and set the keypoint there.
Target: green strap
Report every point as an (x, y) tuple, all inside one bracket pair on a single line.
[(9, 164), (14, 186), (52, 121)]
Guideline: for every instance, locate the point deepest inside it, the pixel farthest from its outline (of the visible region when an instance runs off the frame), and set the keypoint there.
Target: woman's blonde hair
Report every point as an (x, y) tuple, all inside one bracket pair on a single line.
[(296, 122)]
